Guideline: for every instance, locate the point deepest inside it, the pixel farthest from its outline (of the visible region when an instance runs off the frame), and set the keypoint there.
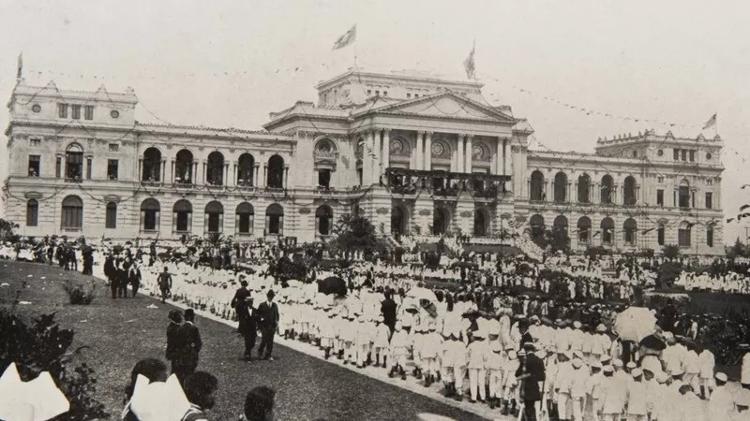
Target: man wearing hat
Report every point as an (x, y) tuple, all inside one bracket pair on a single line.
[(578, 384), (531, 375), (637, 397), (268, 321), (721, 405), (613, 396)]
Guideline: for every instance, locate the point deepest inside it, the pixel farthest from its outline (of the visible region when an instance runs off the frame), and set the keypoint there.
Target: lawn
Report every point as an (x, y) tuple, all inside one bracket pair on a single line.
[(120, 332)]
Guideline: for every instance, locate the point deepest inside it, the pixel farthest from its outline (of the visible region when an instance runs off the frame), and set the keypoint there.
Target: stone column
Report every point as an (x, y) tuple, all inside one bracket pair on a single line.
[(138, 176), (194, 175), (172, 177), (203, 173), (225, 177), (286, 176), (428, 151), (163, 170), (376, 151), (264, 175), (419, 151), (386, 154), (499, 167), (256, 180), (367, 161), (460, 160), (468, 153)]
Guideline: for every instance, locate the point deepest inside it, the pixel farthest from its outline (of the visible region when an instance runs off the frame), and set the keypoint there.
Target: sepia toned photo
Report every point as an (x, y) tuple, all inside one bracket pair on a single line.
[(355, 210)]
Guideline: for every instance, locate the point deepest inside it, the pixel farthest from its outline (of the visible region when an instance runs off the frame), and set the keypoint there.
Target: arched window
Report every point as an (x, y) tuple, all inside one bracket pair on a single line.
[(246, 170), (561, 187), (684, 194), (244, 216), (440, 220), (183, 167), (710, 235), (480, 222), (536, 222), (630, 228), (150, 210), (275, 219), (110, 220), (323, 220), (536, 188), (182, 212), (151, 165), (608, 230), (584, 230), (560, 225), (630, 188), (684, 234), (215, 169), (214, 217), (584, 189), (72, 213), (608, 188), (276, 172), (32, 213)]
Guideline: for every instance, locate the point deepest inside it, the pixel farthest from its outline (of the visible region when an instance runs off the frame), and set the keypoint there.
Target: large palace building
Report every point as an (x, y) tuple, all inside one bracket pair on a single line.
[(415, 155)]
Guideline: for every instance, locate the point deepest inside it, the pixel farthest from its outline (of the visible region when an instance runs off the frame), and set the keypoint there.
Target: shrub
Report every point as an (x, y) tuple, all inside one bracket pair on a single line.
[(79, 294), (42, 345)]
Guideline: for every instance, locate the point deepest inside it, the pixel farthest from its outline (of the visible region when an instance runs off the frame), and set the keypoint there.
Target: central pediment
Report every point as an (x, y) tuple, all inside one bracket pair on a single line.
[(446, 105)]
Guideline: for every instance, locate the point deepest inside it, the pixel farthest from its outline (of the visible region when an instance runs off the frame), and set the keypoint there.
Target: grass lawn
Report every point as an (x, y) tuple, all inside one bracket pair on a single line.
[(120, 332)]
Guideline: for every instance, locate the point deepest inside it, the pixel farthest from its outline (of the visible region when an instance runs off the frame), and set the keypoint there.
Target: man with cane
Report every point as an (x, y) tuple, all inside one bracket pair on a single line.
[(531, 375)]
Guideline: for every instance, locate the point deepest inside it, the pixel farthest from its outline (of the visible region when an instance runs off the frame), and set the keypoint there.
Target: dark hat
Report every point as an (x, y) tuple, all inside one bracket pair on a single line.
[(270, 293)]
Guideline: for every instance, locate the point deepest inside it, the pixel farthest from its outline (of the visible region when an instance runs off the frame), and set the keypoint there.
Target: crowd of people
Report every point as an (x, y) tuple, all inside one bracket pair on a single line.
[(533, 338)]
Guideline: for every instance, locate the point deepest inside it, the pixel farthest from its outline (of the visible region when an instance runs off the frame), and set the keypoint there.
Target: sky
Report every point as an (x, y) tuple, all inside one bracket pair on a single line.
[(229, 63)]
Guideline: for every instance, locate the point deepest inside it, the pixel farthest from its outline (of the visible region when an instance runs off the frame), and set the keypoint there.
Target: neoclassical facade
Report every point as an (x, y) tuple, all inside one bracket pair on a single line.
[(415, 155)]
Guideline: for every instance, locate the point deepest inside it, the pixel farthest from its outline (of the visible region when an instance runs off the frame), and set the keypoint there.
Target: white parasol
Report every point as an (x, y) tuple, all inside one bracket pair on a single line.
[(159, 401), (635, 323), (35, 400)]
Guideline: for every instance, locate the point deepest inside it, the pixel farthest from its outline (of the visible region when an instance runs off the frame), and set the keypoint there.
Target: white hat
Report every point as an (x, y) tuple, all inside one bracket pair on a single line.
[(637, 372), (479, 334), (617, 363), (721, 377)]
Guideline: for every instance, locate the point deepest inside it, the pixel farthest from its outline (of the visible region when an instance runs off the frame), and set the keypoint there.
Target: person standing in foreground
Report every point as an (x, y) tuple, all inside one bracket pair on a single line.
[(189, 346), (530, 374), (173, 336), (268, 319), (165, 284), (248, 326), (134, 277)]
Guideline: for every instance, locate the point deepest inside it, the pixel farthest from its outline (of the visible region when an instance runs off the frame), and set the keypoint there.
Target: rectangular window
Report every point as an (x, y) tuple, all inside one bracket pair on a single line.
[(676, 154), (62, 110), (660, 197), (408, 95), (34, 165), (692, 156), (88, 112), (35, 141), (683, 152), (683, 237), (88, 168), (58, 167), (710, 236), (660, 236), (75, 112), (324, 178), (114, 147), (112, 169), (709, 200), (660, 179), (32, 213), (110, 221)]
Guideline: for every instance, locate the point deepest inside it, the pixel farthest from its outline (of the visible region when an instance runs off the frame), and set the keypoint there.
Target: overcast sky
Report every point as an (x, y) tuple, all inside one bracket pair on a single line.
[(229, 63)]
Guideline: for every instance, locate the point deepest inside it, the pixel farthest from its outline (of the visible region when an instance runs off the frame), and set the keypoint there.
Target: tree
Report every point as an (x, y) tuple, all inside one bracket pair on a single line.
[(671, 251), (737, 250), (6, 230), (353, 233)]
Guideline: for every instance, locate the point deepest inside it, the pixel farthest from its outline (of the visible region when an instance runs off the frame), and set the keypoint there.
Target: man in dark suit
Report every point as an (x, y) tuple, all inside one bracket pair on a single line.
[(248, 328), (268, 321), (388, 308), (173, 337), (531, 375), (110, 273), (189, 346)]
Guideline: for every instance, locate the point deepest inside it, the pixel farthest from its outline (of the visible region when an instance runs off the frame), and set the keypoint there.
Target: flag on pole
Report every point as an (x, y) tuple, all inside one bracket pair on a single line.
[(349, 37), (710, 123), (469, 65), (19, 72)]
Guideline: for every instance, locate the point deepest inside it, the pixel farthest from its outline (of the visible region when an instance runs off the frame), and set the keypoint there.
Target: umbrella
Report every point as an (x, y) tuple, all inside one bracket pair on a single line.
[(158, 400), (635, 323), (653, 342), (36, 400), (332, 285)]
